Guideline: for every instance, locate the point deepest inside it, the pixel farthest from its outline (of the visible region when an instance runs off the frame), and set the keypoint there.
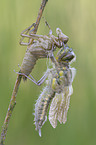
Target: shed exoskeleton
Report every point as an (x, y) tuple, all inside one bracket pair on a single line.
[(41, 46)]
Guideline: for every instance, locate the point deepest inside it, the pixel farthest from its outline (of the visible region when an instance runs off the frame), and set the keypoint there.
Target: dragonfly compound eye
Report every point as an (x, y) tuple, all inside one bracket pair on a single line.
[(65, 55)]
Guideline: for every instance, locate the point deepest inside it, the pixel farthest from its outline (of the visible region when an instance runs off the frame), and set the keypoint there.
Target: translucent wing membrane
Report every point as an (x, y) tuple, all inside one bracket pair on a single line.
[(59, 106), (60, 103)]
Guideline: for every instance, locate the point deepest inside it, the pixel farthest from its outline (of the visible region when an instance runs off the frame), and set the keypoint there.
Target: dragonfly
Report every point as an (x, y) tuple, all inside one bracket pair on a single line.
[(42, 46), (57, 91)]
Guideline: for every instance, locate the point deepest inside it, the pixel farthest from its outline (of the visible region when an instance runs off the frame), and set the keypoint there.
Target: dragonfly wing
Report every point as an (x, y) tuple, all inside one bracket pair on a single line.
[(59, 106)]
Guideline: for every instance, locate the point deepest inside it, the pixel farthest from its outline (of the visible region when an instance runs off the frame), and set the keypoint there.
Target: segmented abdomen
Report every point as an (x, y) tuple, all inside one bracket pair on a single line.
[(33, 53), (41, 107), (28, 63)]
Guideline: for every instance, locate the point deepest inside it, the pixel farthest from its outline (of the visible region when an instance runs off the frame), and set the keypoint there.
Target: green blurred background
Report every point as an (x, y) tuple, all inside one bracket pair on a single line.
[(77, 19)]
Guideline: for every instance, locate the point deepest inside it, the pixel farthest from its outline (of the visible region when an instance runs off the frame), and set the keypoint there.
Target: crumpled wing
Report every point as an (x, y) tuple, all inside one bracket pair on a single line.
[(59, 106)]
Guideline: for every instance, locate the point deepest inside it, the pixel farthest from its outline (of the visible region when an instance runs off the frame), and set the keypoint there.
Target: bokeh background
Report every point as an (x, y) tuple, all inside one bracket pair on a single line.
[(77, 19)]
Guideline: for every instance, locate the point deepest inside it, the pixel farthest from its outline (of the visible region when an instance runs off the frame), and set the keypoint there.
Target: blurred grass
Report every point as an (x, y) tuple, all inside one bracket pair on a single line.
[(77, 19)]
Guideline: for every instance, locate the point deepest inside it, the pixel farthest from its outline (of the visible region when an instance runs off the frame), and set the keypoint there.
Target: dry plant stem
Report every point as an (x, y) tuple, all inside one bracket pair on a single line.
[(10, 109), (18, 80), (40, 14), (43, 4)]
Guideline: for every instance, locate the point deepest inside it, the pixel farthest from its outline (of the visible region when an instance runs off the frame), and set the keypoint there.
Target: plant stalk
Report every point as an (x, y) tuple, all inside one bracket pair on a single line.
[(17, 83)]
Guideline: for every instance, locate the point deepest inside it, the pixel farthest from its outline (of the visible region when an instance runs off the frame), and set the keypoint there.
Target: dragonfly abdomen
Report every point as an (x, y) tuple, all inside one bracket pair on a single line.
[(28, 63), (41, 107)]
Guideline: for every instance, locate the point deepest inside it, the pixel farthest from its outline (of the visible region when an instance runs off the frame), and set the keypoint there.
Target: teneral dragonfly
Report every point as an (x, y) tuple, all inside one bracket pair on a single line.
[(57, 91)]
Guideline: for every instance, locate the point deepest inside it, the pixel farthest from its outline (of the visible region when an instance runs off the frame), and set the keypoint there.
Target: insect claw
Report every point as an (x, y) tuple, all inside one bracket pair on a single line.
[(30, 32)]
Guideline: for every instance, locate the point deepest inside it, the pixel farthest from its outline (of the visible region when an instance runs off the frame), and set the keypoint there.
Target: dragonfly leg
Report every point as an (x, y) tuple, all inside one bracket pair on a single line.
[(35, 36), (57, 43), (27, 30), (38, 83), (24, 34), (51, 56)]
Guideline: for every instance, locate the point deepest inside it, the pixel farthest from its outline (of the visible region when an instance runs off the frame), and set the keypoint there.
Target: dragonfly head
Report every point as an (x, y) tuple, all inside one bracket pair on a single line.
[(66, 55), (64, 38)]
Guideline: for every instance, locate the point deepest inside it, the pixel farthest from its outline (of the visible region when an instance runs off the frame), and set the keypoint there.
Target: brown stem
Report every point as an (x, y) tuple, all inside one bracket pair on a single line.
[(18, 80), (10, 109), (43, 4), (40, 14)]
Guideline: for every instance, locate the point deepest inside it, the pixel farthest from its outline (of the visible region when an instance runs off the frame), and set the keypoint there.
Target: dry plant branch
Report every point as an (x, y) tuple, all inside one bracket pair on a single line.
[(17, 83)]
